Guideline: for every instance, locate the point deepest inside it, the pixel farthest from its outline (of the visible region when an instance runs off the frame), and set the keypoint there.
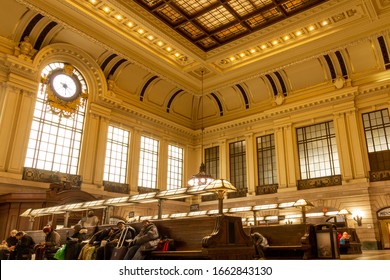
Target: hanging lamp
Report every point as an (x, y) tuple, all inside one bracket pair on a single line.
[(201, 179)]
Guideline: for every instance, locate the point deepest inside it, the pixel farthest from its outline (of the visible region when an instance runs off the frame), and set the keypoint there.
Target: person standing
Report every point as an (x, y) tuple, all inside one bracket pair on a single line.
[(90, 221)]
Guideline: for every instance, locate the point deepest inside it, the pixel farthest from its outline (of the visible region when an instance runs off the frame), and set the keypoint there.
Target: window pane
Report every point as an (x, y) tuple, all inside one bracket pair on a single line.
[(117, 148), (175, 167), (317, 150), (266, 160), (237, 157), (148, 160), (377, 131), (212, 161), (55, 142)]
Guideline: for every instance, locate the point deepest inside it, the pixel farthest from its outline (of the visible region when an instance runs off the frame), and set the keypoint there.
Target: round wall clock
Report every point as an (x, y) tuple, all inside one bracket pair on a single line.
[(65, 85)]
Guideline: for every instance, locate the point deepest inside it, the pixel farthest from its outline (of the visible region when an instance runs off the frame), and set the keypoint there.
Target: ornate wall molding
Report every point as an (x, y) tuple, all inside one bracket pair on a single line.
[(319, 182)]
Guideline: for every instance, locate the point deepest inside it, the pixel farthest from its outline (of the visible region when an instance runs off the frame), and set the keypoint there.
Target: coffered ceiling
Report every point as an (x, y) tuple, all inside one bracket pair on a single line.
[(209, 24), (239, 59)]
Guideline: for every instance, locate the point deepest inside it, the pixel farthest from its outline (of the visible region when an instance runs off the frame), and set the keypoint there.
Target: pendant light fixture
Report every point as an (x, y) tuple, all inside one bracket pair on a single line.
[(201, 179)]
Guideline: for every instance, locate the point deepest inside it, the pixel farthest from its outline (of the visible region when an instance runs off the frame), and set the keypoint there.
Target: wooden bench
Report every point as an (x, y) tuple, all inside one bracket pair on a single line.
[(39, 236), (297, 241), (353, 246), (214, 237)]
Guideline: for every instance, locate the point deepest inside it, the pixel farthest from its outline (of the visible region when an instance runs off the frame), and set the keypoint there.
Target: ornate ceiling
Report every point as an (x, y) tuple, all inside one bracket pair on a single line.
[(259, 58), (209, 24)]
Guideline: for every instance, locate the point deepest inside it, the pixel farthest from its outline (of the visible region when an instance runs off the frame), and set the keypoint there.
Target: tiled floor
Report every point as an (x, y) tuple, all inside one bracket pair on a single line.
[(368, 255)]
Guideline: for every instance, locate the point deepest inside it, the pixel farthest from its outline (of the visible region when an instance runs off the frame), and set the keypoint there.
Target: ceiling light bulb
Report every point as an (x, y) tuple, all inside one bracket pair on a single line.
[(130, 24), (286, 38), (325, 22), (263, 46), (253, 50), (169, 49), (311, 28), (232, 58), (298, 33), (160, 43), (141, 31), (118, 17), (242, 54), (275, 42), (177, 54), (106, 9), (150, 37)]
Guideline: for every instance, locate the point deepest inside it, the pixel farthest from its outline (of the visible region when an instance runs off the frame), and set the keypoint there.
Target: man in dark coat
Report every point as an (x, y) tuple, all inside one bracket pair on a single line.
[(104, 252), (25, 246), (73, 243)]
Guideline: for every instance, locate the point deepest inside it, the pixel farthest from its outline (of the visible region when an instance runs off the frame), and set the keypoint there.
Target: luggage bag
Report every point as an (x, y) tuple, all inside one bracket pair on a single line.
[(119, 252)]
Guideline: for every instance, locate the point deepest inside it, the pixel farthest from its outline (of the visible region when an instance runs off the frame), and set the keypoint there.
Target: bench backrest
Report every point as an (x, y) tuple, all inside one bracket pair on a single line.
[(186, 232), (38, 236), (285, 235), (215, 237)]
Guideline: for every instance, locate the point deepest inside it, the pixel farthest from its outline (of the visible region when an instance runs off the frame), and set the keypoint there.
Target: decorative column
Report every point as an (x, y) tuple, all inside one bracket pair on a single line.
[(349, 143), (18, 91), (281, 157), (134, 149), (250, 164), (286, 162), (343, 148), (290, 148), (162, 175), (95, 138), (358, 168), (18, 135), (224, 152)]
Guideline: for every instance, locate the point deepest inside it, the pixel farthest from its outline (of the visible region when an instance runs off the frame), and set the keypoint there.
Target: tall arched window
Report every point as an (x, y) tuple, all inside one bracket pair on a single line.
[(58, 121)]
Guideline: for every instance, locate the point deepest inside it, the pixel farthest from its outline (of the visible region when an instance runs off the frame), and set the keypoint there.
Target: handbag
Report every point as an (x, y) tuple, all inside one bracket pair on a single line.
[(60, 254), (166, 244)]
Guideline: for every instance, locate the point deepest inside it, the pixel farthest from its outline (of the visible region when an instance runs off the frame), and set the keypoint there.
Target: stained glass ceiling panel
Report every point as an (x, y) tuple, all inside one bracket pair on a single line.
[(213, 23)]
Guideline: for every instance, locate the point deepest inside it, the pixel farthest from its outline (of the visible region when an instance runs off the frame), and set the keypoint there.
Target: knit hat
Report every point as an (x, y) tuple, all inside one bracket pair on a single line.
[(47, 229)]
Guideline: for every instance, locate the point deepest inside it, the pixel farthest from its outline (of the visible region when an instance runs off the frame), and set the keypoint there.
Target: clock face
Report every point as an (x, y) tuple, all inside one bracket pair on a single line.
[(66, 87)]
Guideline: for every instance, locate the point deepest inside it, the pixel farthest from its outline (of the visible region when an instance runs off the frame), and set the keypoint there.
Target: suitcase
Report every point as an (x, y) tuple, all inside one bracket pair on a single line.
[(119, 252)]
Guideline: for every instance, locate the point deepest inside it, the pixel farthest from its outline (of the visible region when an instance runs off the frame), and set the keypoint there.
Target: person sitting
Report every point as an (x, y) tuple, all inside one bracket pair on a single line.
[(105, 251), (344, 242), (97, 242), (145, 241), (261, 244), (25, 247), (344, 238), (8, 246), (79, 233), (73, 243), (52, 242)]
